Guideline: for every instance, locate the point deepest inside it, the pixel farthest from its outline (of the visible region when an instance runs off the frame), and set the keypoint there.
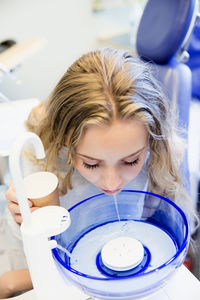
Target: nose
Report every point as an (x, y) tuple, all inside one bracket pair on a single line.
[(112, 179)]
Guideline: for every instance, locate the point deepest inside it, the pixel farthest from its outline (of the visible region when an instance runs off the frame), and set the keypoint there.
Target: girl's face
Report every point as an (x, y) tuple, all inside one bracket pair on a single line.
[(111, 156)]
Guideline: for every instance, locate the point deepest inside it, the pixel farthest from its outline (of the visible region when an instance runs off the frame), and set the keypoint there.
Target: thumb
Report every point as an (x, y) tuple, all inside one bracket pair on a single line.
[(34, 208)]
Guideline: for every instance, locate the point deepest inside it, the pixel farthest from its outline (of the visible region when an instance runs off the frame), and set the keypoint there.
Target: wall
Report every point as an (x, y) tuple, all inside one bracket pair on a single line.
[(68, 27)]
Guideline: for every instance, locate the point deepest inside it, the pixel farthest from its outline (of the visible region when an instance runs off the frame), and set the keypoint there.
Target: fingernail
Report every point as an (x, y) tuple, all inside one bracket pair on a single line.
[(30, 204)]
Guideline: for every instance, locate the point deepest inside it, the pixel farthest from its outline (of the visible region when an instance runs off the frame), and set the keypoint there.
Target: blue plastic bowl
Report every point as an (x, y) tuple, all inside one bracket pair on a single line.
[(145, 208)]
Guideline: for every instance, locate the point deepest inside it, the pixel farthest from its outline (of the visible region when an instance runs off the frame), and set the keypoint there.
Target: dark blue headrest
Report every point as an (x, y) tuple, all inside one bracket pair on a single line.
[(163, 27)]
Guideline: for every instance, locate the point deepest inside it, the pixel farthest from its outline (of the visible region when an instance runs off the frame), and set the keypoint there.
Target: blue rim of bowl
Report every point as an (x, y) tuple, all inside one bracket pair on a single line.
[(181, 249)]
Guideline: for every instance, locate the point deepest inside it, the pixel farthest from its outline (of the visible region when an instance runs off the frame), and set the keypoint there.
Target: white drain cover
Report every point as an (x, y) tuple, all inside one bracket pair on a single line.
[(122, 253)]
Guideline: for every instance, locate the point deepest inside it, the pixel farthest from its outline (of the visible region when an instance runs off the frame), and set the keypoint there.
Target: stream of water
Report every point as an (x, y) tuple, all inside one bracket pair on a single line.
[(116, 206)]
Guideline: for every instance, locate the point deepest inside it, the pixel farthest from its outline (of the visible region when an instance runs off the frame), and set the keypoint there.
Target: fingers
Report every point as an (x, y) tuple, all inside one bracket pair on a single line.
[(34, 208), (17, 218), (16, 212), (13, 205), (11, 195)]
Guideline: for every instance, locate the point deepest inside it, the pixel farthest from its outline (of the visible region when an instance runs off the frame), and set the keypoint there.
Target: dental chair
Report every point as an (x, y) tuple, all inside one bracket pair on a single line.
[(162, 39)]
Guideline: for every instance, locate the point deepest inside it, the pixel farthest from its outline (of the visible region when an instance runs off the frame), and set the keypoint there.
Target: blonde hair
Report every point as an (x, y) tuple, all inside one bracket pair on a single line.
[(99, 87)]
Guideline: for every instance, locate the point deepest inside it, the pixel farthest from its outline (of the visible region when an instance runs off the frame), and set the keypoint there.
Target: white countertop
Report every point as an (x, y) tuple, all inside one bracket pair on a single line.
[(183, 285)]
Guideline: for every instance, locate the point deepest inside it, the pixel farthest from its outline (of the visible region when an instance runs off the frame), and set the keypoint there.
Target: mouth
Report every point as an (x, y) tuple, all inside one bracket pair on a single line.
[(111, 192)]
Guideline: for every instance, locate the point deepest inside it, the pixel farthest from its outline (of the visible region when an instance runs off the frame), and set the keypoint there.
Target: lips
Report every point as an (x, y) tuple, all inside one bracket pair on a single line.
[(111, 192)]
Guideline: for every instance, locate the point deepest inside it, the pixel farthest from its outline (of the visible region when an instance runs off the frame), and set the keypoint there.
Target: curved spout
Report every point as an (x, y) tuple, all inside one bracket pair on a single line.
[(15, 169)]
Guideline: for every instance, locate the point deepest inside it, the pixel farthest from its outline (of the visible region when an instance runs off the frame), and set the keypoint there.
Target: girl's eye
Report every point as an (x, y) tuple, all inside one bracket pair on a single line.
[(88, 166), (132, 163)]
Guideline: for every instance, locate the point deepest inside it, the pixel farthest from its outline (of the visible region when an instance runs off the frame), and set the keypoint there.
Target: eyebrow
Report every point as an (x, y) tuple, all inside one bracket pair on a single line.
[(93, 158)]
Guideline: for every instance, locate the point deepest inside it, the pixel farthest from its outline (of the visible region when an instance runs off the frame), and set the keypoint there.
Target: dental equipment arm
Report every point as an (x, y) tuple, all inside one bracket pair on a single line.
[(14, 161)]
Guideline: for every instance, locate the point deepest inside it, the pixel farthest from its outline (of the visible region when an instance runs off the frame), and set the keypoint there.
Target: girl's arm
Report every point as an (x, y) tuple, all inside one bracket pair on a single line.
[(15, 281)]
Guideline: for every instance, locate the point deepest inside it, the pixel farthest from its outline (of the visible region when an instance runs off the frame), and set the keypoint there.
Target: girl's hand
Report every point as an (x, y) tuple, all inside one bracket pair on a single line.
[(13, 282), (13, 205)]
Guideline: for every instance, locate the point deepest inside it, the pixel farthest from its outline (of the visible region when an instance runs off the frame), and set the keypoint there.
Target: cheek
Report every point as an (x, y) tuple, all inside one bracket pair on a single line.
[(90, 175), (130, 172)]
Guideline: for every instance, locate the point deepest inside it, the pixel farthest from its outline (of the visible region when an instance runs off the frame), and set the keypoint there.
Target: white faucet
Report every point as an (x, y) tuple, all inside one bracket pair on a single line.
[(15, 168), (36, 230)]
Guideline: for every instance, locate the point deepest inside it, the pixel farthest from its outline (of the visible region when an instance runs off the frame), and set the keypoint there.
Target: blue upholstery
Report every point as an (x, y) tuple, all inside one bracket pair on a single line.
[(163, 28), (194, 60), (175, 80)]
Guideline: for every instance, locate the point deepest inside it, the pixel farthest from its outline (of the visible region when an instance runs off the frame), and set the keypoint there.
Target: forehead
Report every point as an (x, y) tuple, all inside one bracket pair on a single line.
[(121, 138)]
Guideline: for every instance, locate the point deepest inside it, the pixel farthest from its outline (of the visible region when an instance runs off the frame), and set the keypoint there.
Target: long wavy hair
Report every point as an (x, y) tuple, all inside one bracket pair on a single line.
[(100, 87)]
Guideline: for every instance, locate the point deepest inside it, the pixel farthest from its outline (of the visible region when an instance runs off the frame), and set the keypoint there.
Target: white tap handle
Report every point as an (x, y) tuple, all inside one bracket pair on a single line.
[(15, 168), (52, 219)]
